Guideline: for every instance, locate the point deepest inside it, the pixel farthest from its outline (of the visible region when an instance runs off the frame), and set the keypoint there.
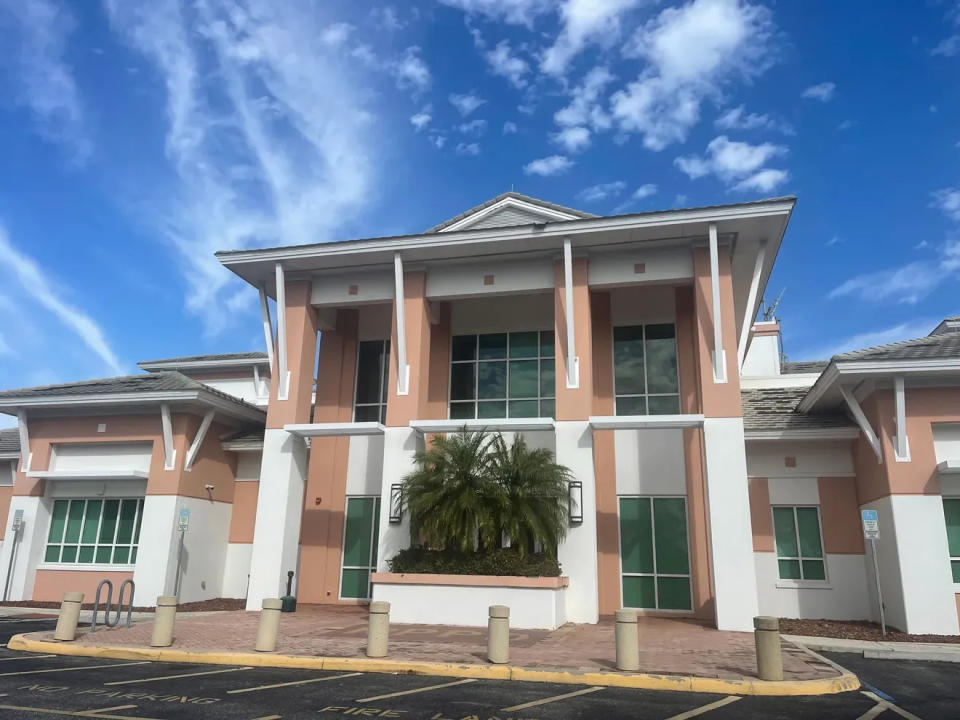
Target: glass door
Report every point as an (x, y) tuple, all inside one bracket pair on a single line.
[(360, 538)]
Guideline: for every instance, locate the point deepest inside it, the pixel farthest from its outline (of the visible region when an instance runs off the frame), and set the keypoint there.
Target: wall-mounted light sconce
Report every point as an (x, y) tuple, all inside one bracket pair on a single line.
[(396, 503), (576, 502)]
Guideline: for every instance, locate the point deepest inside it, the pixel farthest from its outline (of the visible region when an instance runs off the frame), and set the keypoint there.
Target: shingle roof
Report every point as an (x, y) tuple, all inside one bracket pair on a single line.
[(517, 196), (775, 409), (931, 347), (9, 440), (803, 366), (209, 358)]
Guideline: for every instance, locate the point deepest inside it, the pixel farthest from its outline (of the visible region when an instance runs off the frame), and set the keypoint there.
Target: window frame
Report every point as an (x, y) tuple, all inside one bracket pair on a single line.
[(953, 558), (646, 375), (800, 581), (653, 545), (133, 546), (476, 400), (374, 551), (384, 381)]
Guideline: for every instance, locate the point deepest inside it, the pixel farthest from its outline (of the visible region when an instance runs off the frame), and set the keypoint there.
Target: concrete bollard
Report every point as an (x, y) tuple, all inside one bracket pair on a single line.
[(498, 634), (163, 619), (378, 629), (627, 641), (69, 617), (269, 625), (767, 636)]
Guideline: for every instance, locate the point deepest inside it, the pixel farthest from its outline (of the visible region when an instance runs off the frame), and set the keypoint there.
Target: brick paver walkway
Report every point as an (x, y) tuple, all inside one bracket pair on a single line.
[(667, 646)]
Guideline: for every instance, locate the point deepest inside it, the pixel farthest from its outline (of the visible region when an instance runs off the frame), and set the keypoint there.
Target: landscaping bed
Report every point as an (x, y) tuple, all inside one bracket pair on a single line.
[(856, 630), (214, 605)]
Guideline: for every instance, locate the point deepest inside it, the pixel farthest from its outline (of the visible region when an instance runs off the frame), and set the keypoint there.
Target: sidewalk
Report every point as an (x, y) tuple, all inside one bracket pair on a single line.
[(871, 649), (676, 648)]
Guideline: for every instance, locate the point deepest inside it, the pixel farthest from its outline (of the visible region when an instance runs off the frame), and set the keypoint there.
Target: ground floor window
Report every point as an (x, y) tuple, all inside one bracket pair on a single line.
[(654, 554), (799, 546), (94, 531), (360, 538), (951, 513)]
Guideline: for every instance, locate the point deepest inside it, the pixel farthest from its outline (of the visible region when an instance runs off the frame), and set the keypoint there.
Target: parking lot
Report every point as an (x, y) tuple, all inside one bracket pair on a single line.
[(36, 686)]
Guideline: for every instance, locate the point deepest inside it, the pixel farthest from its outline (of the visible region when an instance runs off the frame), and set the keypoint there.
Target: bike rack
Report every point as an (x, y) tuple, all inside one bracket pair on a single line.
[(106, 610)]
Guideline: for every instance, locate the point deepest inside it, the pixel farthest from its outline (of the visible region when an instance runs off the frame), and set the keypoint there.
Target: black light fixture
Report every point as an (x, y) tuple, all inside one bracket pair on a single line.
[(576, 502), (396, 503)]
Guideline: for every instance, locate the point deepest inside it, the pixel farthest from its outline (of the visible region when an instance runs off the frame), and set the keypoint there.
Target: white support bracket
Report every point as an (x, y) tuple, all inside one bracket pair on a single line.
[(260, 384), (719, 356), (862, 421), (198, 440), (403, 369), (283, 373), (901, 442), (26, 457), (169, 453), (750, 311), (573, 362), (267, 324)]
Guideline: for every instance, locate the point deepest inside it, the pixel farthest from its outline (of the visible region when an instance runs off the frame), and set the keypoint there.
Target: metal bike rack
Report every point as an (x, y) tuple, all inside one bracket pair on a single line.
[(106, 610)]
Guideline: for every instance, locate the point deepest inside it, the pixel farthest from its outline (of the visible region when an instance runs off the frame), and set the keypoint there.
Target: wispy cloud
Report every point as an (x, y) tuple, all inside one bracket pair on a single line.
[(504, 62), (596, 193), (950, 45), (34, 284), (907, 284), (35, 36), (738, 164), (411, 71), (884, 336), (739, 119), (472, 149), (551, 165), (515, 12), (947, 201), (466, 103), (267, 134), (583, 22), (823, 92)]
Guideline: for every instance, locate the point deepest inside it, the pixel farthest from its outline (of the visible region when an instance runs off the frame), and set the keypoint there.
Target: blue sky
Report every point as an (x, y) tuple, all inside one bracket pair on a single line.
[(137, 138)]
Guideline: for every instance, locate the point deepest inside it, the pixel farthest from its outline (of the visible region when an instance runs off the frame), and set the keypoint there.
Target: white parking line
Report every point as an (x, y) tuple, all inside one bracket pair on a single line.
[(890, 706), (71, 713), (705, 708), (417, 690), (93, 713), (24, 657), (69, 669), (555, 698), (174, 677), (269, 717), (288, 684), (873, 712)]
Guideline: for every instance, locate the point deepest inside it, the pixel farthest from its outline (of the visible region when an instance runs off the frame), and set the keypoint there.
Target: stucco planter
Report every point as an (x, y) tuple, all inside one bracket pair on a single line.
[(417, 598)]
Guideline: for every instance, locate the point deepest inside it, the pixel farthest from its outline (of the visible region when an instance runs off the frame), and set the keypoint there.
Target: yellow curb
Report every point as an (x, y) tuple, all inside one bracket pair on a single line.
[(843, 682)]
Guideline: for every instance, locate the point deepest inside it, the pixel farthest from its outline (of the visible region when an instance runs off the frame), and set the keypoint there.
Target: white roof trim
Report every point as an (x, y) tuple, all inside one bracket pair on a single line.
[(475, 217), (487, 425), (850, 433), (202, 364), (89, 474), (949, 467), (309, 430), (644, 422), (242, 445), (10, 455)]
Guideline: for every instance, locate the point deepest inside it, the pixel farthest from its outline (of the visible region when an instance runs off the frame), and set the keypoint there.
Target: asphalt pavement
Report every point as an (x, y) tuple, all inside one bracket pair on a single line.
[(38, 686)]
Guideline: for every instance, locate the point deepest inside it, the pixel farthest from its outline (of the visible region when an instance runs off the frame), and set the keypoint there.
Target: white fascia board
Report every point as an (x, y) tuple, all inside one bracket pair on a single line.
[(949, 467), (89, 474), (509, 234), (240, 446), (203, 364), (644, 422), (849, 433), (477, 216), (485, 425), (308, 430), (769, 382), (10, 455)]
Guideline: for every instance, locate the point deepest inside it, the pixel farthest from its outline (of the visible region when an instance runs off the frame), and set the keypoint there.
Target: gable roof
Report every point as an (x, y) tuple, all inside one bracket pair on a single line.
[(803, 366), (932, 347), (775, 409), (9, 441), (206, 361), (525, 199)]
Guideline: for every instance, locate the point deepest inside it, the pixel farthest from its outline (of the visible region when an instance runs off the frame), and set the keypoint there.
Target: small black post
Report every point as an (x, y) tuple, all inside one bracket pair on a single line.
[(288, 600)]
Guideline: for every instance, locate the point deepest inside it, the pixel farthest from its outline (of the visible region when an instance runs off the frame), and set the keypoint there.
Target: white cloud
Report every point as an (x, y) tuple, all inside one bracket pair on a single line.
[(35, 36), (847, 124), (585, 108), (503, 62), (644, 191), (466, 103), (34, 283), (736, 163), (823, 92), (835, 240), (547, 166), (268, 136), (439, 141), (467, 149), (691, 52), (509, 128), (420, 120), (411, 71), (515, 12), (947, 201), (884, 336), (336, 34), (573, 139), (596, 193), (739, 119), (477, 126), (386, 18), (906, 284), (950, 46), (582, 22)]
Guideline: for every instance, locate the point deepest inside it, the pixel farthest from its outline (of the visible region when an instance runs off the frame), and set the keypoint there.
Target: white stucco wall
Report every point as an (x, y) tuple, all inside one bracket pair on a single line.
[(844, 596), (763, 357), (236, 570), (650, 462), (101, 456), (29, 546)]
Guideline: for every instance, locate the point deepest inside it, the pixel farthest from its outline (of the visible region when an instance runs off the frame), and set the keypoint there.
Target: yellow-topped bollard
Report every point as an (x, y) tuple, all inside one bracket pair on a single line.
[(69, 617)]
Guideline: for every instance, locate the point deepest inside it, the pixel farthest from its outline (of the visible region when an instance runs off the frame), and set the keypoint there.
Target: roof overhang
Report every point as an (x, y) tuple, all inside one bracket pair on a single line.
[(202, 364), (797, 434), (645, 422), (242, 445), (825, 391), (949, 467), (10, 455), (88, 474), (312, 430)]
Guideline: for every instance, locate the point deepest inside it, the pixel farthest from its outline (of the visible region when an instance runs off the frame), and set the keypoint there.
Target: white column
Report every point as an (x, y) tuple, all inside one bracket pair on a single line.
[(399, 446), (903, 448), (403, 369), (731, 536), (573, 368), (267, 325), (25, 454), (719, 357), (29, 548), (578, 552), (276, 535)]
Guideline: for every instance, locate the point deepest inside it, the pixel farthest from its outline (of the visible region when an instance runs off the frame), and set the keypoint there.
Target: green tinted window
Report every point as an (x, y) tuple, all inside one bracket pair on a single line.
[(654, 553), (796, 531), (645, 377), (951, 513), (360, 539), (94, 531), (373, 372)]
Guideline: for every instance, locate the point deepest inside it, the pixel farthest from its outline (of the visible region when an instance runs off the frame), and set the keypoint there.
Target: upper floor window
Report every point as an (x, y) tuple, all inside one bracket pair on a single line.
[(373, 371), (645, 370), (502, 375)]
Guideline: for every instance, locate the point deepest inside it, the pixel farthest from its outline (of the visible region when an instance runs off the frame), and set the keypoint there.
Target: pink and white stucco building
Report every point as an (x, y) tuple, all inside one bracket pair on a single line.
[(712, 480)]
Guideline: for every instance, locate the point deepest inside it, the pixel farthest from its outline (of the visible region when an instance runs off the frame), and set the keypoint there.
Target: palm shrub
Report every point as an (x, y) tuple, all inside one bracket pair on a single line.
[(469, 488)]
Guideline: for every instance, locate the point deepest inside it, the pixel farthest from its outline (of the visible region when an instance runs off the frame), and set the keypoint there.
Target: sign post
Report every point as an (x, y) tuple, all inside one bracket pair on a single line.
[(183, 522), (871, 531)]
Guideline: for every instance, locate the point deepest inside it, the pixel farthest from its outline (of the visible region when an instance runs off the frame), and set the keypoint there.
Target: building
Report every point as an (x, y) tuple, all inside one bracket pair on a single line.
[(711, 480)]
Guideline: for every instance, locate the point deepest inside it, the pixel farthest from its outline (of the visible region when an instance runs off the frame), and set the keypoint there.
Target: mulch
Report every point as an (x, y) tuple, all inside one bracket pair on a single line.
[(217, 604), (856, 630)]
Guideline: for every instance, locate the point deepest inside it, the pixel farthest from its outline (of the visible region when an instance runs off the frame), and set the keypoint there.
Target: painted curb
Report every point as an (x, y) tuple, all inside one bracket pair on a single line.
[(642, 681)]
